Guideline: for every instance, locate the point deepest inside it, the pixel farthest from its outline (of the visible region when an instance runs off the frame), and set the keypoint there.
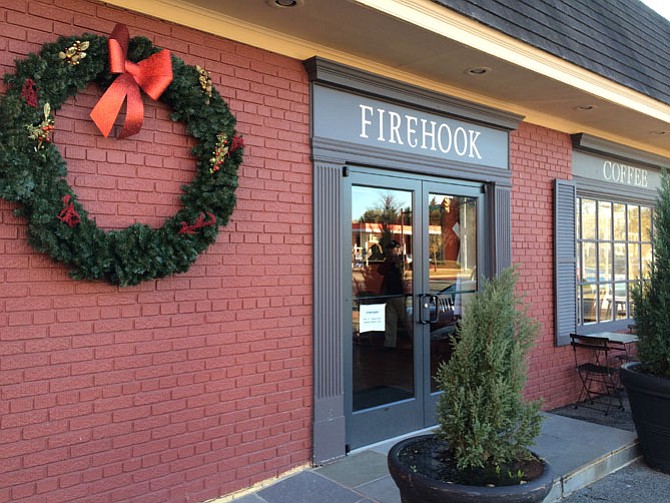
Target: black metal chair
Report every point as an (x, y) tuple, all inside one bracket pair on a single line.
[(599, 376)]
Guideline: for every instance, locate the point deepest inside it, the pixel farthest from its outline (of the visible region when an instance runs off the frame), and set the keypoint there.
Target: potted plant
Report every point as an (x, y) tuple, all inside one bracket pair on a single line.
[(647, 382), (479, 451)]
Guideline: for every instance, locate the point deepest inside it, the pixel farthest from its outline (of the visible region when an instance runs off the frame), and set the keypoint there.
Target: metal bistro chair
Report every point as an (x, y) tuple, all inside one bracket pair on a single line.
[(598, 377)]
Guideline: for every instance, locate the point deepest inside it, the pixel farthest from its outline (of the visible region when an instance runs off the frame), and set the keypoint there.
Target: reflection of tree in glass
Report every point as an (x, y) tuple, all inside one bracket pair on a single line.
[(633, 223), (386, 213), (645, 217), (619, 222), (588, 219), (435, 210), (451, 212)]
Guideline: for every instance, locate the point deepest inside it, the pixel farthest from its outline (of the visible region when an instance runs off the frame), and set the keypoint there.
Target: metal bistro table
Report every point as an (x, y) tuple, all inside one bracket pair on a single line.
[(599, 375), (617, 342)]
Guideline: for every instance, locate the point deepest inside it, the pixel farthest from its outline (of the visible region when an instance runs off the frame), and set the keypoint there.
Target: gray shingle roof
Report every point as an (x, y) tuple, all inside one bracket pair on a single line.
[(622, 40)]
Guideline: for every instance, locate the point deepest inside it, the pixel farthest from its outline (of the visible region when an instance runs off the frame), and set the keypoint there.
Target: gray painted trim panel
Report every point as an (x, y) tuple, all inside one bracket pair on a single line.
[(502, 224), (334, 151), (588, 143), (338, 75), (329, 424), (593, 188)]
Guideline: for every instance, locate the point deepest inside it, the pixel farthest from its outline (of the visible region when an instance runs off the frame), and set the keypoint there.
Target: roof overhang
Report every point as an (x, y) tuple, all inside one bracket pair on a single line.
[(426, 44)]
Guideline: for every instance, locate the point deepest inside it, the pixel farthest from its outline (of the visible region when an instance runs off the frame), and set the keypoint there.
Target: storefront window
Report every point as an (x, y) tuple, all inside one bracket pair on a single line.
[(613, 250)]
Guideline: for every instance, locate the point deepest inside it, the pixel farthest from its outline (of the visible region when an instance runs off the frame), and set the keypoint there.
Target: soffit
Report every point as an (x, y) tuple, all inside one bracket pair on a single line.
[(622, 40), (427, 44)]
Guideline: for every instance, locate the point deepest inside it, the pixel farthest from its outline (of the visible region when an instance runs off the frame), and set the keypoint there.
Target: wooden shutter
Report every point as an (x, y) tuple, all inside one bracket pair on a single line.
[(565, 260)]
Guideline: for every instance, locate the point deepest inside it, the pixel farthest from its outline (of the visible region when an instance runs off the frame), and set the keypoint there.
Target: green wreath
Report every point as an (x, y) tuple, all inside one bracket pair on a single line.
[(32, 171)]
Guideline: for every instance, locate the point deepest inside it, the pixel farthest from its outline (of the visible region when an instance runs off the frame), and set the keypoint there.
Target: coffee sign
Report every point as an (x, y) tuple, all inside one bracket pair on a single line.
[(615, 172), (627, 175)]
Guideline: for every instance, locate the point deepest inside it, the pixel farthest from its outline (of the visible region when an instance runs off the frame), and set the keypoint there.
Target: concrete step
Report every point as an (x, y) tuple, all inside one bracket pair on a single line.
[(579, 453)]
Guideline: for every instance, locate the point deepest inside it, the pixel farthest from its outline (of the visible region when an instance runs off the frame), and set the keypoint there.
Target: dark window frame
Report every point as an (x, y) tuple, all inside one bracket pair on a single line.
[(598, 280)]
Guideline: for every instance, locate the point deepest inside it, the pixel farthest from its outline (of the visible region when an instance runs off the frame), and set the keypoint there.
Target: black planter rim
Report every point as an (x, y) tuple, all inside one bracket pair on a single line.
[(545, 479), (649, 397), (633, 378)]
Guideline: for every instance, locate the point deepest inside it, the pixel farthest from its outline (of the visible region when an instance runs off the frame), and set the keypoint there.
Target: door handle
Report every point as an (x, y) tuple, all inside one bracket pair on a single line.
[(424, 309), (425, 315), (435, 315)]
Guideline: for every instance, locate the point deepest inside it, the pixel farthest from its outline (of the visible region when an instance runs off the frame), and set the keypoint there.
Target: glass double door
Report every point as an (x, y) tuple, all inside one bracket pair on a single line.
[(415, 262)]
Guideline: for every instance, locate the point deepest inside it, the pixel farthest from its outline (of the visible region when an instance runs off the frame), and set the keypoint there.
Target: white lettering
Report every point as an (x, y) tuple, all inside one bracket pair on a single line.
[(624, 174), (440, 145), (415, 132), (426, 134), (474, 135), (364, 121), (381, 124), (641, 177), (464, 144), (411, 131), (396, 121), (607, 170)]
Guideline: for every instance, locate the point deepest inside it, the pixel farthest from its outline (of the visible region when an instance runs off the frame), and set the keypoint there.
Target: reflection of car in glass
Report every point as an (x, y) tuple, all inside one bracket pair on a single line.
[(443, 308), (590, 275), (603, 296), (449, 307), (590, 286)]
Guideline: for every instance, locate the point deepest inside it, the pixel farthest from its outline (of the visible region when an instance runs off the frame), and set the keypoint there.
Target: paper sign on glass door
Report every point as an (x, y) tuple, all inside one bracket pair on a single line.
[(372, 318)]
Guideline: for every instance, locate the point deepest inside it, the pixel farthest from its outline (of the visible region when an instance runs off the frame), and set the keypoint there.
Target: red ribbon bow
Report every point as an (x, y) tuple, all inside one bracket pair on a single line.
[(68, 214), (199, 224), (153, 75)]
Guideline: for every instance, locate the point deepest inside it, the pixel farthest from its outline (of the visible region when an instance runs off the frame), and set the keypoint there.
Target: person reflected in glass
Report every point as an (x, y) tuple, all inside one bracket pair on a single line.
[(393, 288)]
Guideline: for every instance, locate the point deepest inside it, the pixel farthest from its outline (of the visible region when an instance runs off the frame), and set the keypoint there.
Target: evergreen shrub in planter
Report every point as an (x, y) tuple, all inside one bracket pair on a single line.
[(480, 451), (647, 382)]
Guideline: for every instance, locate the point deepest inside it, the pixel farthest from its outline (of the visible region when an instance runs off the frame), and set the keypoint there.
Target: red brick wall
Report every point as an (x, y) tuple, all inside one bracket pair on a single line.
[(181, 389), (538, 156)]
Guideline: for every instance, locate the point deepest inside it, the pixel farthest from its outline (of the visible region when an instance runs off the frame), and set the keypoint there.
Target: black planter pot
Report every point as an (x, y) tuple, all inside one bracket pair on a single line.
[(649, 398), (417, 488)]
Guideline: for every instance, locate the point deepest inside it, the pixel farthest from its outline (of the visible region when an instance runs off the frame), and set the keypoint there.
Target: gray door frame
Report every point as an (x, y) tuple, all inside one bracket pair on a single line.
[(331, 161), (370, 426)]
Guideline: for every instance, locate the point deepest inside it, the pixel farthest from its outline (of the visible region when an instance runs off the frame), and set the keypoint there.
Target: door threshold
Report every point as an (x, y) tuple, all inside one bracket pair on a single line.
[(385, 445)]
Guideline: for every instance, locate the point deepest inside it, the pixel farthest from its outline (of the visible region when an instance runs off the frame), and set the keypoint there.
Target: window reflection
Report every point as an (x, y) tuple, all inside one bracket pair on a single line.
[(614, 246), (605, 261), (604, 221), (646, 256), (620, 222), (588, 219), (645, 223), (385, 266), (452, 270), (633, 223), (382, 247)]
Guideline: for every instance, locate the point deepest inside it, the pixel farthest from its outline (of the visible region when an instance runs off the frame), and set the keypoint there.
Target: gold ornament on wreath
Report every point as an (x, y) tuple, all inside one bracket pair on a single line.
[(205, 81), (75, 53), (42, 132)]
